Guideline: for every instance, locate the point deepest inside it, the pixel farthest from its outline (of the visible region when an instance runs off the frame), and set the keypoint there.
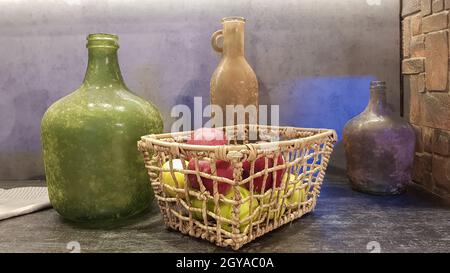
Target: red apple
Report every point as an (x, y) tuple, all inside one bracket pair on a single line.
[(224, 169), (208, 136), (259, 167)]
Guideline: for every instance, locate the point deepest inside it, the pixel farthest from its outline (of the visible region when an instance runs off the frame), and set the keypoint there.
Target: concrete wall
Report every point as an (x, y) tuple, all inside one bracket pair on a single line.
[(313, 57)]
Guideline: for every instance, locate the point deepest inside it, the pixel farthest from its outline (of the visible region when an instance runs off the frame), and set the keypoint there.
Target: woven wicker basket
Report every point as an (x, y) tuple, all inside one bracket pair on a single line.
[(235, 218)]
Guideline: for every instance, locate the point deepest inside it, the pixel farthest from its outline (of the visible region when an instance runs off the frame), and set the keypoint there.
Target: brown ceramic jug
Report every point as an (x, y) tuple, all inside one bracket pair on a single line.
[(234, 81), (379, 147)]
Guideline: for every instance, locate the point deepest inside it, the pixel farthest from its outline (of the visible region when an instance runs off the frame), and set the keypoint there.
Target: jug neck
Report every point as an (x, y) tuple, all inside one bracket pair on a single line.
[(378, 102), (103, 66), (233, 36)]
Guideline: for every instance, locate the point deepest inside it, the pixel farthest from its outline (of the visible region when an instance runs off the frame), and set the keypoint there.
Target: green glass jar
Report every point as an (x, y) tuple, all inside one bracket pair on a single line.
[(93, 169)]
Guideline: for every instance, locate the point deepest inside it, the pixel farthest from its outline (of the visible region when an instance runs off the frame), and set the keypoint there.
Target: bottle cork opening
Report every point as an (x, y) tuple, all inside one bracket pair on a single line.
[(102, 40), (233, 19)]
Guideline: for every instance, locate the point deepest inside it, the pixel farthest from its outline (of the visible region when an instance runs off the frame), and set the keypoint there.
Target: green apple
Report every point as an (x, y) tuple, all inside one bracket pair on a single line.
[(168, 179), (297, 195), (277, 202), (196, 203), (226, 210)]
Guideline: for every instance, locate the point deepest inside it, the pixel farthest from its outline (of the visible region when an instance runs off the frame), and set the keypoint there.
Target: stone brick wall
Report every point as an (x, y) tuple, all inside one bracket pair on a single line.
[(425, 69)]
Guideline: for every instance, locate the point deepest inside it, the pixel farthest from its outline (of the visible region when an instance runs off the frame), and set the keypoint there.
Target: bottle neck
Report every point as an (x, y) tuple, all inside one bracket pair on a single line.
[(233, 39), (378, 102), (103, 67)]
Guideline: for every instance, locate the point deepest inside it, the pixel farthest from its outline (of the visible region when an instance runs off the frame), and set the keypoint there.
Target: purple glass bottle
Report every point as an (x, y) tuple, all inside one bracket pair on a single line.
[(379, 147)]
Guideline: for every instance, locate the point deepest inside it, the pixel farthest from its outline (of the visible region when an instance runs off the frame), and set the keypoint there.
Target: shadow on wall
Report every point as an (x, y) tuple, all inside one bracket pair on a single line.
[(325, 102), (316, 102)]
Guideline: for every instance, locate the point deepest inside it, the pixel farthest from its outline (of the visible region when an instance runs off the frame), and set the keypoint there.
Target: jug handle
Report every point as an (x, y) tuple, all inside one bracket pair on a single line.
[(216, 35)]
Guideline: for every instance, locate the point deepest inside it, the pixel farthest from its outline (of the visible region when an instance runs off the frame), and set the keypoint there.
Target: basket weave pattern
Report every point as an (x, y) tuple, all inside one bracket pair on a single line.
[(198, 213)]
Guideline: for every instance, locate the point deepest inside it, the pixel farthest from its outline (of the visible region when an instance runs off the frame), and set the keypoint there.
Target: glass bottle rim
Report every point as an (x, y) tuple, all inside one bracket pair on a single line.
[(378, 84), (102, 40), (233, 18)]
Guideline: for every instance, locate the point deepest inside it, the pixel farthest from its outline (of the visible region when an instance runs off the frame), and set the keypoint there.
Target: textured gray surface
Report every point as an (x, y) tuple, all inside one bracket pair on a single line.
[(344, 221), (312, 57)]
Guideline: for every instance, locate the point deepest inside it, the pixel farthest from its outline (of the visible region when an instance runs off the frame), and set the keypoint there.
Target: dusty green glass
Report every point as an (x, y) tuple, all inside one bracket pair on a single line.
[(93, 169)]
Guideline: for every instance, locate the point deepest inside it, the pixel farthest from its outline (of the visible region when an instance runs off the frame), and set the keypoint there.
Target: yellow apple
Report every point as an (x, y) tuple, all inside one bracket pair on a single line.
[(297, 195), (168, 179), (277, 202), (196, 203), (226, 210)]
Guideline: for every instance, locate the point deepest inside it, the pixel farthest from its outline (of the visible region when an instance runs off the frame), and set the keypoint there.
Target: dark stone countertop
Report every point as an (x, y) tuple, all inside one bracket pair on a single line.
[(344, 221)]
